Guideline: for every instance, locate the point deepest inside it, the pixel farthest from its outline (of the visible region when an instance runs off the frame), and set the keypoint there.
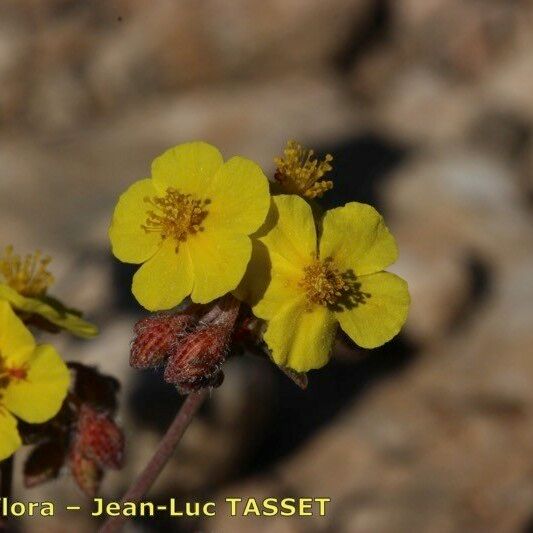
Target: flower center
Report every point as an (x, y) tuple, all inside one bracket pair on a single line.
[(29, 276), (175, 215), (324, 284), (8, 374)]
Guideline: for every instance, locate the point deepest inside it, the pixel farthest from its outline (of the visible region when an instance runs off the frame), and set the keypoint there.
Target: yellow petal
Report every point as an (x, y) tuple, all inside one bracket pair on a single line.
[(9, 436), (130, 243), (278, 255), (381, 314), (257, 276), (239, 196), (356, 237), (301, 339), (187, 167), (50, 309), (219, 260), (165, 279), (16, 341), (292, 236), (39, 396), (283, 286), (269, 282)]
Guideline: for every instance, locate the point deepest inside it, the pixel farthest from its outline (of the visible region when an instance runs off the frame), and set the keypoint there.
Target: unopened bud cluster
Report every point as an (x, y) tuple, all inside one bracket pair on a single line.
[(190, 345)]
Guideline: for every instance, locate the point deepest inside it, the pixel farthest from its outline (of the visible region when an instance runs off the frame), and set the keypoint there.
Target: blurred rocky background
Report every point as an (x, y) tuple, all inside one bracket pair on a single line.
[(427, 107)]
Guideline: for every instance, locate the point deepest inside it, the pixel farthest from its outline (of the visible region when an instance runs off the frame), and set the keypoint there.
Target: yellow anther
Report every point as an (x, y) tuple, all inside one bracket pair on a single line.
[(175, 215), (324, 284), (28, 275), (299, 172)]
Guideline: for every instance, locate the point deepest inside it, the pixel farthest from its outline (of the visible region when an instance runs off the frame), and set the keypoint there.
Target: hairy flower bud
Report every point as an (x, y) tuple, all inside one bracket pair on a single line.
[(86, 472), (99, 438), (155, 337), (196, 361)]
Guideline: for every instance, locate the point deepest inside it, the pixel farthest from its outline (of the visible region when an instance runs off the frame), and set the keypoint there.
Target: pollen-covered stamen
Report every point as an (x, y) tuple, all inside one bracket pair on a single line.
[(324, 284), (27, 275), (301, 173), (175, 215)]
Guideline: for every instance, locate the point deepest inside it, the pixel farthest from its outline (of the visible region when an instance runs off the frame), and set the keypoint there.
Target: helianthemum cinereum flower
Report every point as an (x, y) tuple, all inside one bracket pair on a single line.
[(33, 380), (303, 289), (189, 224), (24, 282)]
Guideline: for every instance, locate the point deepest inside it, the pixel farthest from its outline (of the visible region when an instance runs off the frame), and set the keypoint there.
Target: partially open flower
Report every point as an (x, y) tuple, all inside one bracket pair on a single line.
[(24, 283)]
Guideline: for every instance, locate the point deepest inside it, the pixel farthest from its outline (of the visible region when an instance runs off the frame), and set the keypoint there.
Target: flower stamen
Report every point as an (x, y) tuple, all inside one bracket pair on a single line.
[(175, 215), (29, 276), (324, 284), (301, 173)]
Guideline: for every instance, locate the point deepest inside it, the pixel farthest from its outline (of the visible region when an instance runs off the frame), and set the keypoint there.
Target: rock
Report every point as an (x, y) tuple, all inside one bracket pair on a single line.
[(429, 449), (442, 64), (79, 179), (69, 62), (472, 212)]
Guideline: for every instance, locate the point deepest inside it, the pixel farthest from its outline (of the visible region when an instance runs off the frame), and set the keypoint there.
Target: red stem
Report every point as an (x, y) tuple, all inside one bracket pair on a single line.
[(160, 458)]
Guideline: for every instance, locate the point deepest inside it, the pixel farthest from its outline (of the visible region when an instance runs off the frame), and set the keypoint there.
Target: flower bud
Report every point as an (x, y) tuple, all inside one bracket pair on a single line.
[(196, 361), (99, 439), (155, 336), (86, 472)]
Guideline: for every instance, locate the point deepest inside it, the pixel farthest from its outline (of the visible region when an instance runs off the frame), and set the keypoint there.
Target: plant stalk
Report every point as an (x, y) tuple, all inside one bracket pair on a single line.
[(164, 452)]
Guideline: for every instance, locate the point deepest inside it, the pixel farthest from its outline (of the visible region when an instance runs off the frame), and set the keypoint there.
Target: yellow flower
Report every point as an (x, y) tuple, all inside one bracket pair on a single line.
[(304, 290), (29, 276), (24, 283), (33, 380), (299, 172), (190, 225)]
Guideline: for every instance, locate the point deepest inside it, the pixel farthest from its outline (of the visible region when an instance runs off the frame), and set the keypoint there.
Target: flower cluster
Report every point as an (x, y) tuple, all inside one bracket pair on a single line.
[(33, 378), (213, 235), (65, 410)]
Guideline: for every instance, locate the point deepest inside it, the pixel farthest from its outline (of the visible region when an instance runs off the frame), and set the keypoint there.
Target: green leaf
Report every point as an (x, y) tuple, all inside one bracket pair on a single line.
[(51, 310)]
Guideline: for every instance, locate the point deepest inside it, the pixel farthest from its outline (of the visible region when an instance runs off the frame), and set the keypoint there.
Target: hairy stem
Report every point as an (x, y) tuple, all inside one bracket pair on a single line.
[(160, 458)]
